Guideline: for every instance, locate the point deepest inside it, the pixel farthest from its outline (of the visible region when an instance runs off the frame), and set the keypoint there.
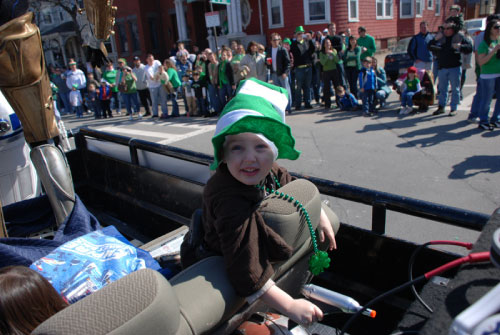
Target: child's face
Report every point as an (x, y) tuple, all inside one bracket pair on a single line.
[(185, 79), (411, 75), (91, 88), (367, 63), (248, 158)]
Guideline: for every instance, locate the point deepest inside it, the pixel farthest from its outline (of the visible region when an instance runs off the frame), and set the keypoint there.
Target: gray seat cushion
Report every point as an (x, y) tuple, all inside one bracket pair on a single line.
[(140, 303)]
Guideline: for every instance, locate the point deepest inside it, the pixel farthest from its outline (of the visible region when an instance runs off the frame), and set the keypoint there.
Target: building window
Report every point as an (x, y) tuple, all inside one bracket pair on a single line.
[(122, 36), (47, 18), (153, 30), (353, 10), (384, 9), (429, 4), (406, 8), (134, 33), (61, 16), (275, 13), (419, 7), (438, 7), (317, 11)]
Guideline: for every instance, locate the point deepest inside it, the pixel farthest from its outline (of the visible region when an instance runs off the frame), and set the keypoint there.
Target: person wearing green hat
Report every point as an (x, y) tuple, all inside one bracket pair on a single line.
[(250, 135), (302, 50), (75, 76)]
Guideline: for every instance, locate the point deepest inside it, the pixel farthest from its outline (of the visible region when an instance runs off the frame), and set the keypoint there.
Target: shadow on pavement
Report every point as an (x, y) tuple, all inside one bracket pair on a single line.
[(475, 165), (439, 134)]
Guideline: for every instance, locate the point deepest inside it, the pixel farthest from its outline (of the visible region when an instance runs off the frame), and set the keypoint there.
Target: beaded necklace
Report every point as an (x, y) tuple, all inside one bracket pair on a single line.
[(319, 261)]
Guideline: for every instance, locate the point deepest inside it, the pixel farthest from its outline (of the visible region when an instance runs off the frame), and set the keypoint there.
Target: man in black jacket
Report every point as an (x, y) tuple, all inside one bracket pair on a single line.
[(449, 46), (302, 50), (280, 66)]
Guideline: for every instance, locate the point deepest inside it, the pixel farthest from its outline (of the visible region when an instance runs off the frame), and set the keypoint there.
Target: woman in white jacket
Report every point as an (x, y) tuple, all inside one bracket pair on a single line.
[(253, 64)]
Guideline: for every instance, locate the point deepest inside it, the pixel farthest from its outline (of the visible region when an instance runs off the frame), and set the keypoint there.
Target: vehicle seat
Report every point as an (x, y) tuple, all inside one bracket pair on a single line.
[(198, 300)]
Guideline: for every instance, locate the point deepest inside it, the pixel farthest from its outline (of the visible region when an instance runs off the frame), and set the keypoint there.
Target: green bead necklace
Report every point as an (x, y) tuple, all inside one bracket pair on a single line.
[(319, 261)]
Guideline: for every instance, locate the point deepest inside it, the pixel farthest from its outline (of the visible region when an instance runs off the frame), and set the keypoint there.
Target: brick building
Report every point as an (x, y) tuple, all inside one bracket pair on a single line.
[(154, 26)]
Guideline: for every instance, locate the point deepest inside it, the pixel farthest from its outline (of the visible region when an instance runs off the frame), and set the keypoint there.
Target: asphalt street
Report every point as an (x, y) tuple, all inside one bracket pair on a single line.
[(440, 159)]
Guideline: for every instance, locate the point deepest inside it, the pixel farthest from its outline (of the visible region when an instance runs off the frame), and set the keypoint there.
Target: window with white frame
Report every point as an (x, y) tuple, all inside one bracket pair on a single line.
[(384, 9), (47, 16), (406, 8), (353, 10), (430, 4), (317, 11), (438, 7), (419, 7), (275, 13)]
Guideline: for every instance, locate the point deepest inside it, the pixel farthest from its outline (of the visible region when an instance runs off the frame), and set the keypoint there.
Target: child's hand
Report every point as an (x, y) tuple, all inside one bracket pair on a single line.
[(325, 229), (304, 312)]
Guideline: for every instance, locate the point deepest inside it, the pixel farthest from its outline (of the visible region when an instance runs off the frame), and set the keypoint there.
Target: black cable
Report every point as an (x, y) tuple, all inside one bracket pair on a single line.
[(380, 297), (410, 275)]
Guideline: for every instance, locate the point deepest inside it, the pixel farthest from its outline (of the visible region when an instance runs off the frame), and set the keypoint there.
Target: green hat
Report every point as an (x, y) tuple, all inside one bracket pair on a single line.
[(257, 107), (72, 63), (287, 40), (299, 29), (122, 60), (75, 85)]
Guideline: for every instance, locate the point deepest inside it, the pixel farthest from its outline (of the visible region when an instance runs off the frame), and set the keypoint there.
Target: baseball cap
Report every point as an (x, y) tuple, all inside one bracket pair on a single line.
[(136, 58)]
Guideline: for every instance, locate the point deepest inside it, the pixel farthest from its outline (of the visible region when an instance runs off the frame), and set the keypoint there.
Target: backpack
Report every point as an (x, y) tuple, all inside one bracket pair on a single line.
[(105, 92)]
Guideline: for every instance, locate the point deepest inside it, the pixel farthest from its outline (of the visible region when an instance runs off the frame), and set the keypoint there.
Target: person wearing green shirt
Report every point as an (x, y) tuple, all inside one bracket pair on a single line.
[(489, 80), (127, 79), (176, 83), (109, 76), (367, 43), (329, 59), (352, 64)]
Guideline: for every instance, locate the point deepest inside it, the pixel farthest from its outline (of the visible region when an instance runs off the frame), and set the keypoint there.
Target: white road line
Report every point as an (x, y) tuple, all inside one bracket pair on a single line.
[(188, 135)]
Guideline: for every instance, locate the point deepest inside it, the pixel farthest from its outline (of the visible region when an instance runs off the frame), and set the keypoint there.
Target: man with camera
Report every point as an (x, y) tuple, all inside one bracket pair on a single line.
[(126, 82), (448, 46)]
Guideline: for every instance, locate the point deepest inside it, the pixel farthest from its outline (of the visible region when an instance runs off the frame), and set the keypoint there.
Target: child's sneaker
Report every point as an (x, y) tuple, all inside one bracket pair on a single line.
[(140, 116), (130, 117)]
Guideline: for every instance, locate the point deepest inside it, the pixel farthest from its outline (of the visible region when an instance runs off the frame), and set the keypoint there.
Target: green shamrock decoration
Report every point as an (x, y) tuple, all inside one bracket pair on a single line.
[(319, 262)]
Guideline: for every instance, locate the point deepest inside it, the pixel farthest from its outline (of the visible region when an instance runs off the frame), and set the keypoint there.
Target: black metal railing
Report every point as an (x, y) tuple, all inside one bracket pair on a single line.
[(379, 201)]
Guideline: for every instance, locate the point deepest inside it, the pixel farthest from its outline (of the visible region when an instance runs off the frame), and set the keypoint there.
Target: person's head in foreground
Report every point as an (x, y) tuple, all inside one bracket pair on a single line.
[(26, 300), (251, 132), (367, 62)]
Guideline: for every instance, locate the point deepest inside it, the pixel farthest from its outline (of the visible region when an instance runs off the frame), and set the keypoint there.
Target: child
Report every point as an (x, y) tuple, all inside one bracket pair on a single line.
[(105, 94), (411, 85), (346, 101), (250, 135), (226, 78), (92, 100), (367, 80), (188, 93), (199, 91), (76, 101)]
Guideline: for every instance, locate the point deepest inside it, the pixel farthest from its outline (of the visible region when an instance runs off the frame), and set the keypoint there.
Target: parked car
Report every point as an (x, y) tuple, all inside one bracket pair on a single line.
[(398, 60), (475, 26)]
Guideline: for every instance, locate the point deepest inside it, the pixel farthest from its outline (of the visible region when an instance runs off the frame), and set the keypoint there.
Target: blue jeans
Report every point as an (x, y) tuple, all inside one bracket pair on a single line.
[(131, 98), (303, 78), (175, 106), (158, 96), (407, 98), (213, 96), (474, 109), (202, 106), (78, 110), (368, 97), (285, 83), (452, 76), (116, 102), (225, 94), (488, 88)]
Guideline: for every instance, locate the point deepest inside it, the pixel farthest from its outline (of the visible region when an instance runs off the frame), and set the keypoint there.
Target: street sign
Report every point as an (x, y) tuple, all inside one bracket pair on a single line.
[(221, 2), (212, 19)]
